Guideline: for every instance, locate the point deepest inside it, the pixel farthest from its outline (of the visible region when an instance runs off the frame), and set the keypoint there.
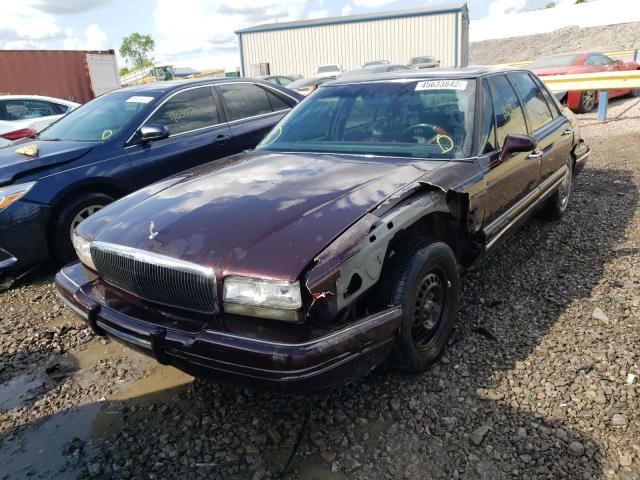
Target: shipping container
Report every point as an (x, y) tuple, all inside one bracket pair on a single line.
[(396, 36), (74, 75)]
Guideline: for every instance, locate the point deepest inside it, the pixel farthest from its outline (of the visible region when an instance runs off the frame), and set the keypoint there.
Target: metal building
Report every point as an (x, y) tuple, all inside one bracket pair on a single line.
[(299, 47)]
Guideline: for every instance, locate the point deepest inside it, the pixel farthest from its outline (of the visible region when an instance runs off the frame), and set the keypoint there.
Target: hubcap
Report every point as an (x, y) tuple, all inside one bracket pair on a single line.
[(429, 308), (83, 215), (588, 99), (565, 188)]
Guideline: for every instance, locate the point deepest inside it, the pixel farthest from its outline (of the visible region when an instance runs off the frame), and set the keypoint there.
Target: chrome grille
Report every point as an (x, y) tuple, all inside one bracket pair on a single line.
[(157, 278)]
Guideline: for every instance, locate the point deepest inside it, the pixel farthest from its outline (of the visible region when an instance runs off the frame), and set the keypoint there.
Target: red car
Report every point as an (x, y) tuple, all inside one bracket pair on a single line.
[(583, 62)]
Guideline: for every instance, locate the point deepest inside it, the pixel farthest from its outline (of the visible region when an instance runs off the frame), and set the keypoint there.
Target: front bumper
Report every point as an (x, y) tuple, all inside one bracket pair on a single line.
[(294, 358), (23, 239)]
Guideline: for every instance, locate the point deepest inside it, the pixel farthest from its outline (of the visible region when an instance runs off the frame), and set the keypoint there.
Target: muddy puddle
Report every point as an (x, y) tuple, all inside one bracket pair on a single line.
[(38, 449)]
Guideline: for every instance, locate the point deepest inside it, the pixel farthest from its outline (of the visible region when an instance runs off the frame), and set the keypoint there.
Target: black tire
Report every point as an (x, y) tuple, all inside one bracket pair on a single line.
[(421, 341), (587, 101), (62, 248), (557, 204), (635, 92)]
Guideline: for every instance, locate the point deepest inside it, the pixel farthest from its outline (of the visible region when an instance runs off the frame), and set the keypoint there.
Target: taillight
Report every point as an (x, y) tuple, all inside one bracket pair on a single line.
[(17, 134)]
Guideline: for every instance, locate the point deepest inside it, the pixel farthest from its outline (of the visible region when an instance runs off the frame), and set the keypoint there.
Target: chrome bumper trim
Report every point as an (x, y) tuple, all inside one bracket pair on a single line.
[(72, 307), (124, 336)]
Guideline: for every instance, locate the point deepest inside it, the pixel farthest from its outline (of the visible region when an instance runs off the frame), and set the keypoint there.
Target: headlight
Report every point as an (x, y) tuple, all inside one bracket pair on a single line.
[(262, 298), (83, 249), (10, 194)]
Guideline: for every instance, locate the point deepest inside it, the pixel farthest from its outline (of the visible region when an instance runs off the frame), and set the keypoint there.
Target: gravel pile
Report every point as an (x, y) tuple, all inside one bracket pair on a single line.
[(540, 381), (604, 38)]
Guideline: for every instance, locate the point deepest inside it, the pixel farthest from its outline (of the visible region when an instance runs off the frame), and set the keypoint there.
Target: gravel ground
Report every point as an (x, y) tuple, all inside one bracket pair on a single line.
[(539, 382), (603, 38)]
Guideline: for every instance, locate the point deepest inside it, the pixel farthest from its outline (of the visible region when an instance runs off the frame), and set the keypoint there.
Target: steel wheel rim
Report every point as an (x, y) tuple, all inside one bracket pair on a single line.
[(429, 308), (83, 215), (565, 188), (588, 99)]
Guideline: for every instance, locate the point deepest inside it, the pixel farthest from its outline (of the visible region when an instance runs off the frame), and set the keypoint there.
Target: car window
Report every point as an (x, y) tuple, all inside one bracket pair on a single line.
[(553, 105), (187, 110), (535, 105), (598, 60), (17, 109), (488, 132), (328, 68), (421, 119), (276, 102), (244, 100), (555, 61), (509, 116), (284, 81)]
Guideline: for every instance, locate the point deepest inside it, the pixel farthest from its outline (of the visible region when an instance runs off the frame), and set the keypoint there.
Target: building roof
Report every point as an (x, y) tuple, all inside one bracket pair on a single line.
[(413, 12)]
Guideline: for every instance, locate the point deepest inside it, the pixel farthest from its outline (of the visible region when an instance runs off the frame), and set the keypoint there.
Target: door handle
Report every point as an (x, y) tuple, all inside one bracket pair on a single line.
[(222, 138), (568, 131), (535, 154)]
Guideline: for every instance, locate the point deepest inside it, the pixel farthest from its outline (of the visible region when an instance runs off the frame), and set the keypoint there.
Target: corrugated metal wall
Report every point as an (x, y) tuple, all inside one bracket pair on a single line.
[(301, 50), (55, 73)]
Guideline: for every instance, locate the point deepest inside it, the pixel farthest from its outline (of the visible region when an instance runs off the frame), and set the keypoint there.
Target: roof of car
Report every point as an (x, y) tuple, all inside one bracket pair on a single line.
[(166, 86), (465, 72)]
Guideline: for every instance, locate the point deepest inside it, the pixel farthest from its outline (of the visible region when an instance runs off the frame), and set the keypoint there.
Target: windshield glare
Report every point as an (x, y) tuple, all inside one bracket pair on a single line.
[(554, 62), (422, 119), (99, 119)]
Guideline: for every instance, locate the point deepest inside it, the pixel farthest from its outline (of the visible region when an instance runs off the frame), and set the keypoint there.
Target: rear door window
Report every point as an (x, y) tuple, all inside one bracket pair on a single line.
[(244, 100), (277, 103), (188, 110), (509, 115), (535, 105), (26, 109)]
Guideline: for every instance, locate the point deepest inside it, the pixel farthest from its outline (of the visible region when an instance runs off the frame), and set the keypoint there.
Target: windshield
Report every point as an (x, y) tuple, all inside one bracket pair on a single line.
[(307, 82), (422, 119), (328, 68), (99, 119), (554, 62), (422, 60)]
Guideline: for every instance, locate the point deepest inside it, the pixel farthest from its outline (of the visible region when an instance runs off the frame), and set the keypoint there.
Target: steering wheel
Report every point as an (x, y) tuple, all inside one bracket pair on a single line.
[(433, 134)]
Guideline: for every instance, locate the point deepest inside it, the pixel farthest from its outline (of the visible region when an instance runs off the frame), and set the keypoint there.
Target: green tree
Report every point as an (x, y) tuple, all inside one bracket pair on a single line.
[(124, 71), (136, 47), (578, 2), (550, 5)]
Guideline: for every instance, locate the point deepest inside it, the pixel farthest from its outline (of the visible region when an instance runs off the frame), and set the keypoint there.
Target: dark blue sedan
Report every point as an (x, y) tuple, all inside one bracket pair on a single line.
[(116, 144)]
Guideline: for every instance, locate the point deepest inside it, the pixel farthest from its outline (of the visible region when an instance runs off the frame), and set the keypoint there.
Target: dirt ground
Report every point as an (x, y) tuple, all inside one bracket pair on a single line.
[(541, 379)]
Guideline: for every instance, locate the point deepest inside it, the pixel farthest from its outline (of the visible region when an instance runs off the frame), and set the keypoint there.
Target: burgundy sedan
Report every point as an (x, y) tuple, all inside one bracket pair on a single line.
[(337, 241)]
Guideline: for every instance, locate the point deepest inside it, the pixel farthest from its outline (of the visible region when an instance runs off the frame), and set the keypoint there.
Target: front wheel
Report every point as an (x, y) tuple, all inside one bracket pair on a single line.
[(73, 213), (426, 286)]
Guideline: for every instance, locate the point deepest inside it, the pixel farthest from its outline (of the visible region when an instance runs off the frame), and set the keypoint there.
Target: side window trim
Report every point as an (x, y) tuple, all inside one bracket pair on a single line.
[(548, 95), (487, 89), (525, 114)]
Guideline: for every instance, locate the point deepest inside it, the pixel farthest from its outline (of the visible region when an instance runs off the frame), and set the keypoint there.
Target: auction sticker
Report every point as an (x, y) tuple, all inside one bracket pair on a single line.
[(442, 85), (139, 99)]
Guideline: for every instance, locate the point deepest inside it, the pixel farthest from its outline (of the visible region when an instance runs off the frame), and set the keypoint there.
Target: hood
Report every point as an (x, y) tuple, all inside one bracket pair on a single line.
[(50, 153), (265, 215)]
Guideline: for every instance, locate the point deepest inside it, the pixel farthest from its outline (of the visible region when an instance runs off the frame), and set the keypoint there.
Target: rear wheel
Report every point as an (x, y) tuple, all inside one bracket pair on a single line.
[(587, 101), (558, 202), (635, 92), (72, 214), (426, 285)]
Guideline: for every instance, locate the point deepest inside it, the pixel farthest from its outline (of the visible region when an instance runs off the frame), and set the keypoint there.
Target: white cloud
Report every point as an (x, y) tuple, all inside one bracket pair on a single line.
[(22, 23), (318, 13), (200, 33), (346, 10), (501, 7), (371, 3), (94, 39)]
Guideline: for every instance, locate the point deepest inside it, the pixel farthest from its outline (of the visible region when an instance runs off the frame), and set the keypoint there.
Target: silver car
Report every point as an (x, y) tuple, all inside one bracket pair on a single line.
[(424, 62)]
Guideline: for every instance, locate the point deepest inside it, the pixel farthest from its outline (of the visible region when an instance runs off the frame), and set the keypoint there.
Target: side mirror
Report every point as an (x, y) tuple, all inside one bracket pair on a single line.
[(152, 132), (516, 143)]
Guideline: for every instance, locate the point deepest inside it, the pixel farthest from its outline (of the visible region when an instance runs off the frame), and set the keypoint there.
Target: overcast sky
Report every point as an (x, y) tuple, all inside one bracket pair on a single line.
[(196, 33)]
